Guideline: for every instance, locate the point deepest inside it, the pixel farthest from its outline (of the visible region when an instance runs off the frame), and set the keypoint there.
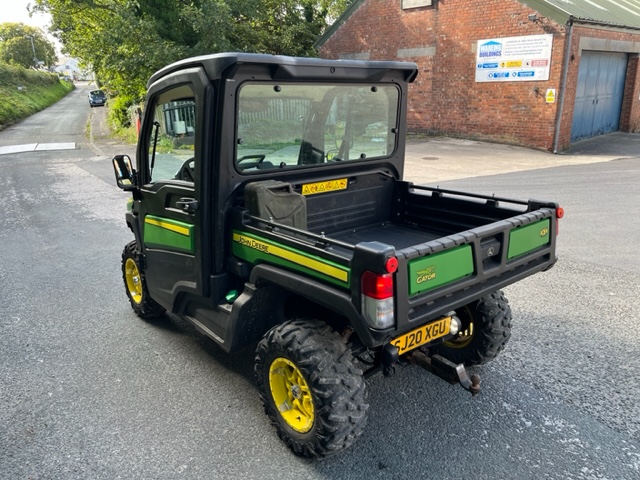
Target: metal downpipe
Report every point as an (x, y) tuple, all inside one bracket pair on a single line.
[(565, 68)]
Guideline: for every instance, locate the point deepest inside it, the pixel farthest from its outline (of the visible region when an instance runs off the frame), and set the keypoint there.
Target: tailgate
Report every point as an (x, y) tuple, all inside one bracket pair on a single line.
[(436, 277)]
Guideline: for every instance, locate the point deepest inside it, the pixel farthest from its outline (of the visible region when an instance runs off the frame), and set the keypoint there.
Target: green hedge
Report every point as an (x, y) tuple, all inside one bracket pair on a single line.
[(39, 91)]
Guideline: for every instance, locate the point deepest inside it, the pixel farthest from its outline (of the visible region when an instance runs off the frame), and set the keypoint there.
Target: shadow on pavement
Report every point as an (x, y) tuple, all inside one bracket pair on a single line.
[(614, 144)]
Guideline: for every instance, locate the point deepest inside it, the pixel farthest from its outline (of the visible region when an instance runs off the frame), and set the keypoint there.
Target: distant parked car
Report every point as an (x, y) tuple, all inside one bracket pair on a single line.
[(97, 98)]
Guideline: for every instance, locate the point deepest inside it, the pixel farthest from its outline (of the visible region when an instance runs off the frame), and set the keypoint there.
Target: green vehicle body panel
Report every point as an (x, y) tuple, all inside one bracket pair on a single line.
[(168, 233), (526, 239), (440, 269), (256, 249)]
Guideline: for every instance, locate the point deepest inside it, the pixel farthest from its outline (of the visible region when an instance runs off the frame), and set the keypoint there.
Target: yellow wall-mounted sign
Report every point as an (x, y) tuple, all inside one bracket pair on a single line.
[(550, 96)]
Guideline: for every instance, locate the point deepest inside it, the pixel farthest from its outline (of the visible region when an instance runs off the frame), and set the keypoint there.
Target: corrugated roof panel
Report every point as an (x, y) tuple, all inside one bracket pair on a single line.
[(615, 12)]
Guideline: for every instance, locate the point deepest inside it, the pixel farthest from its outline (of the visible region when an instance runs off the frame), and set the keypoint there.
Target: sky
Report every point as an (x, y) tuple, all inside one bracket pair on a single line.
[(16, 11)]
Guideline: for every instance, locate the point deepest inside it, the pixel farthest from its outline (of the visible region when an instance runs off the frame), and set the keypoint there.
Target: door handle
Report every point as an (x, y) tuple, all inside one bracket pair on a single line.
[(187, 204)]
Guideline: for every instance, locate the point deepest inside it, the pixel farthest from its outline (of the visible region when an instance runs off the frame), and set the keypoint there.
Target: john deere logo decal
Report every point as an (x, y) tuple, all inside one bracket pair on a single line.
[(257, 249), (544, 232), (426, 275)]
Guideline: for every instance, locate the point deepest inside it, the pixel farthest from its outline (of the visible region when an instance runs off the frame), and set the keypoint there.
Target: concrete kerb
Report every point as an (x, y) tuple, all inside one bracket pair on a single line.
[(437, 159)]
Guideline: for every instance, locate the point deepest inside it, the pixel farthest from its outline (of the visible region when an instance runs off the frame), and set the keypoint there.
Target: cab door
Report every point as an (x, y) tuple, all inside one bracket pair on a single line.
[(169, 208)]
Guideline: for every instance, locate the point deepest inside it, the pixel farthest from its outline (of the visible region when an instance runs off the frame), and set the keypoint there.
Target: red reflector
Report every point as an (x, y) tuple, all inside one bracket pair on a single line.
[(559, 212), (392, 264), (377, 286)]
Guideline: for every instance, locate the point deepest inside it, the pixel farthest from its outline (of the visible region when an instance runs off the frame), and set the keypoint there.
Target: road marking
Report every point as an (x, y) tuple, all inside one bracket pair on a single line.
[(55, 146), (18, 148), (36, 147)]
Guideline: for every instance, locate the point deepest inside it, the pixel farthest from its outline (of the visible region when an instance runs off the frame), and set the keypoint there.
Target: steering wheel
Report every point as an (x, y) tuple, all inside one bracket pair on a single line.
[(257, 159), (187, 171), (332, 156)]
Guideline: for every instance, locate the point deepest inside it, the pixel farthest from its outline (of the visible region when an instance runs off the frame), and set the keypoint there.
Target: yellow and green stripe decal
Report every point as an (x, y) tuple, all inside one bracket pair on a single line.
[(255, 249), (168, 233)]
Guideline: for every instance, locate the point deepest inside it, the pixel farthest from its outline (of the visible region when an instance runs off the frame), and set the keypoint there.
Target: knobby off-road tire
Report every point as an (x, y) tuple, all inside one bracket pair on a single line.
[(136, 286), (486, 329), (311, 389)]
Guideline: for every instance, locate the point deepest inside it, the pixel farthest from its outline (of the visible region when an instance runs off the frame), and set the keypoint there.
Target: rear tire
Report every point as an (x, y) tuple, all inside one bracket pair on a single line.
[(486, 329), (311, 390), (136, 286)]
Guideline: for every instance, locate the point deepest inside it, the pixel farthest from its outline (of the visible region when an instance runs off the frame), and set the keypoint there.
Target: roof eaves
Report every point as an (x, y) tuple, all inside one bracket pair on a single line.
[(551, 11), (591, 21), (338, 23), (587, 12)]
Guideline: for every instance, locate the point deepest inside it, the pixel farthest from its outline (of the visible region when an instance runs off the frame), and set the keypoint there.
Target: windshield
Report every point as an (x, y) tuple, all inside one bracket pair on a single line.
[(285, 126)]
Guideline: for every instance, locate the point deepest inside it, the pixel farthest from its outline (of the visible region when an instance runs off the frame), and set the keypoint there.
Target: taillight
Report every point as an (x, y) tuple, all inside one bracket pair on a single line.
[(377, 286), (377, 299), (559, 215)]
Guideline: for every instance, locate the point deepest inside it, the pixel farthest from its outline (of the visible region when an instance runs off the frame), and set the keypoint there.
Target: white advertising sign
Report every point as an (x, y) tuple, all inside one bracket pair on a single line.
[(514, 59)]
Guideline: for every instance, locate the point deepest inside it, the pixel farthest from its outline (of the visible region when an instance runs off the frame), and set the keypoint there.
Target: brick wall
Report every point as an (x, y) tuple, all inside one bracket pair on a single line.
[(630, 116), (445, 99)]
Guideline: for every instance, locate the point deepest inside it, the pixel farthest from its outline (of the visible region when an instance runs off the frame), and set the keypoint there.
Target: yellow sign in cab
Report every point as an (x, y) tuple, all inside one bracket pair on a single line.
[(322, 187), (422, 335)]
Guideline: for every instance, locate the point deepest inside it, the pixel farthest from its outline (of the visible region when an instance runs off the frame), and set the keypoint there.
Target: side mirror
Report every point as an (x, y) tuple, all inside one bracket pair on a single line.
[(125, 175)]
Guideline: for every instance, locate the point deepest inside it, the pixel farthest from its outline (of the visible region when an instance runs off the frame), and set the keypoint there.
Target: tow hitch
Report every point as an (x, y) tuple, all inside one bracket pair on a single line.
[(446, 370)]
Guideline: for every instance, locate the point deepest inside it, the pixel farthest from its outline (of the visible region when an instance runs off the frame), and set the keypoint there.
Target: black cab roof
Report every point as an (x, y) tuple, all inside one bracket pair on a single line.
[(217, 66)]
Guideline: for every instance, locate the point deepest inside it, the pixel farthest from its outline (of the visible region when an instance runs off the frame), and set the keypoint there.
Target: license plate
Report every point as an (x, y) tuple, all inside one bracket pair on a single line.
[(421, 335)]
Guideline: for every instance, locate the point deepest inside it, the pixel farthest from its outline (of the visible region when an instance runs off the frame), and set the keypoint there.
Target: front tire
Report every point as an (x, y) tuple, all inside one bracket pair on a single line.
[(136, 286), (311, 389), (486, 329)]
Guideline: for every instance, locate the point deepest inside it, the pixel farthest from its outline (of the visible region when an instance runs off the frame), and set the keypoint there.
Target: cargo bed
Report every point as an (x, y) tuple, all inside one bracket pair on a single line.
[(398, 236)]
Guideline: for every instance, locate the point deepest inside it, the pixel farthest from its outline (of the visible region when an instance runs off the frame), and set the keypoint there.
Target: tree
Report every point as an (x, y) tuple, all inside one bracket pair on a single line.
[(125, 41), (21, 44), (290, 27)]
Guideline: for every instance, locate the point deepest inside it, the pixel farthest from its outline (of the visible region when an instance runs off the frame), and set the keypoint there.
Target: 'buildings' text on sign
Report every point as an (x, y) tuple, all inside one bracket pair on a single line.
[(514, 59)]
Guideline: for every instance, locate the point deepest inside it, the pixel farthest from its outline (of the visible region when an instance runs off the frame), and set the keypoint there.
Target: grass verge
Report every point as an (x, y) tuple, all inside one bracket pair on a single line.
[(127, 135), (24, 92)]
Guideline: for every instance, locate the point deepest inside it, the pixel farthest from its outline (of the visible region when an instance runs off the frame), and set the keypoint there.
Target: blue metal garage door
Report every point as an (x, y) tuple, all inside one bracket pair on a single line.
[(599, 94)]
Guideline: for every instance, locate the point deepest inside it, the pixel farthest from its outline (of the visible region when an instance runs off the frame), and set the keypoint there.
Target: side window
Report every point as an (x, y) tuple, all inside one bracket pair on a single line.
[(172, 154)]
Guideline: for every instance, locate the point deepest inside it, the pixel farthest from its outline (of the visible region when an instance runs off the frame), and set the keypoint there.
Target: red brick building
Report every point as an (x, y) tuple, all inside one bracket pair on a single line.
[(540, 73)]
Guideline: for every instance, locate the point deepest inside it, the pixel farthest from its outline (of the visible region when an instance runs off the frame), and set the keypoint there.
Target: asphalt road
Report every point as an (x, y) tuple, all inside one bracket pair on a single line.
[(89, 391)]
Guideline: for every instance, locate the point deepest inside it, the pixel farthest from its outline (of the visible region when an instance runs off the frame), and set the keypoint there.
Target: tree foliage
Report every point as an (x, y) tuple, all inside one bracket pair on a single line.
[(125, 41), (16, 47)]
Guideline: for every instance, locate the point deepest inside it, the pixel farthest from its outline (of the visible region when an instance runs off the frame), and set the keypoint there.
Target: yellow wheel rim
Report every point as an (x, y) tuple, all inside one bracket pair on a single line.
[(462, 339), (291, 395), (134, 282)]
